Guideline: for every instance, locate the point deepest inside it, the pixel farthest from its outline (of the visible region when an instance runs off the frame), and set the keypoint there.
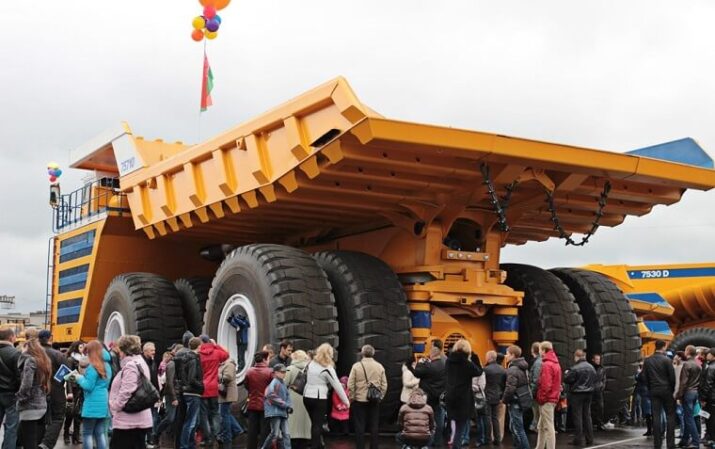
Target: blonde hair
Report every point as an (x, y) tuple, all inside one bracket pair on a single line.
[(546, 346), (299, 356), (462, 345), (324, 355)]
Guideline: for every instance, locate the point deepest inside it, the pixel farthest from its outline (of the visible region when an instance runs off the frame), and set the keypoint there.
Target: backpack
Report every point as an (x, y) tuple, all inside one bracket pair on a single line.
[(298, 384), (374, 394)]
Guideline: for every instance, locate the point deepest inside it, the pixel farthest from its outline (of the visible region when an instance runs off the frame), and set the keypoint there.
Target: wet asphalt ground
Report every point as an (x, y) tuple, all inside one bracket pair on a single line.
[(620, 438)]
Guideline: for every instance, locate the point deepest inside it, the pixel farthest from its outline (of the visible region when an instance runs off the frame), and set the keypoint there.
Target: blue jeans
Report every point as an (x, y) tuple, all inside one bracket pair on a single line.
[(94, 433), (193, 407), (438, 425), (230, 428), (8, 412), (690, 434), (516, 427), (279, 428)]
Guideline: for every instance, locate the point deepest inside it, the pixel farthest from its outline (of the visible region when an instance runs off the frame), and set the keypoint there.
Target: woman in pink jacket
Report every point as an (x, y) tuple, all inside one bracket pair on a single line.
[(129, 430)]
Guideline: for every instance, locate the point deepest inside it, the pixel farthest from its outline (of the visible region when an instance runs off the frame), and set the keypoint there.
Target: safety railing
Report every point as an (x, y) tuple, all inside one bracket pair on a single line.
[(89, 203)]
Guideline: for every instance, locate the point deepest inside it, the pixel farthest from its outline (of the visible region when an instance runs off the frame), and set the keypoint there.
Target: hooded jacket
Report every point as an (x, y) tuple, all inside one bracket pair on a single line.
[(515, 378), (212, 356), (96, 389), (581, 378), (416, 418), (276, 400), (549, 385), (460, 371)]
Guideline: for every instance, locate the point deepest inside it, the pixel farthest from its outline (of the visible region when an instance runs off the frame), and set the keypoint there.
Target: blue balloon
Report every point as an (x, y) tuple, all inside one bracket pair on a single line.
[(58, 173), (217, 18)]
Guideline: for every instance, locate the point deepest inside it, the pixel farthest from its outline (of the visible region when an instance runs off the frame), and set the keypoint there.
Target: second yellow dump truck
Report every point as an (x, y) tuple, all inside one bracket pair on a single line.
[(674, 302), (322, 221)]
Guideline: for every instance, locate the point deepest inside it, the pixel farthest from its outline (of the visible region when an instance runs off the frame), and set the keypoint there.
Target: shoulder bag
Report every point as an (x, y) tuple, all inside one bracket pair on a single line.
[(144, 397), (373, 393)]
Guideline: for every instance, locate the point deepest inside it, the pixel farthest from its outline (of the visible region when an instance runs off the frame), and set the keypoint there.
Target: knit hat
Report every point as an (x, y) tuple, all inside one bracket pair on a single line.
[(186, 337)]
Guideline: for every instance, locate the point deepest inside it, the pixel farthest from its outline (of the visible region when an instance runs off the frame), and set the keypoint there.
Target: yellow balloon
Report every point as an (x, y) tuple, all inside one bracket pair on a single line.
[(211, 35), (198, 23), (53, 165)]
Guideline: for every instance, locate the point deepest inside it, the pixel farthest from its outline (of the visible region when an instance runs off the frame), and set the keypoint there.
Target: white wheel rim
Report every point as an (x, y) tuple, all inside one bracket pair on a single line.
[(226, 335), (115, 328)]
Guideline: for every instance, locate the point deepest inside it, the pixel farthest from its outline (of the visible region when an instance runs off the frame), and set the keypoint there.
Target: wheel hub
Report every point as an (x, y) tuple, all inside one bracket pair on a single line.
[(229, 336), (116, 327)]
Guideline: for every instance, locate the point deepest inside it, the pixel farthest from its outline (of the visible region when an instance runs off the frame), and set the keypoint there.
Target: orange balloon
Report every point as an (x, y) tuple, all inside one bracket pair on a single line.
[(218, 4), (197, 35)]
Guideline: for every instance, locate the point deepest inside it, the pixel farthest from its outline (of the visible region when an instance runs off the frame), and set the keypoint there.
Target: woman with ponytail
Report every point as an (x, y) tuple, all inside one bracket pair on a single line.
[(95, 386), (35, 377)]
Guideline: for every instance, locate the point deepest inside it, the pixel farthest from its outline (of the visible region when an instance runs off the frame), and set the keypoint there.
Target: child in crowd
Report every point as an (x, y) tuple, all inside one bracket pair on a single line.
[(277, 406), (416, 420), (340, 412)]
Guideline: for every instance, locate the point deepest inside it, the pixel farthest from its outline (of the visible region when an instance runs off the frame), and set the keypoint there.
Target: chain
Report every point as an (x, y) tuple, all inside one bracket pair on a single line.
[(594, 225), (500, 206)]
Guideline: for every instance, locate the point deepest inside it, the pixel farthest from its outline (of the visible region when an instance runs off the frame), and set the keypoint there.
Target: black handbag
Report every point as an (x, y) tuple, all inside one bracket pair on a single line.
[(144, 397), (373, 393), (301, 378)]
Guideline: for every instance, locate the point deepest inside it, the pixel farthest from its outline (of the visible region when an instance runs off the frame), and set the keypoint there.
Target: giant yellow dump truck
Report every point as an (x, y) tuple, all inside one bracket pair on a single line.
[(322, 221), (674, 302)]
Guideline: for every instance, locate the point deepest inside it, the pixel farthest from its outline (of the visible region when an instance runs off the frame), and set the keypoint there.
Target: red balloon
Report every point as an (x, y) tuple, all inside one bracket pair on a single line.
[(209, 11), (53, 178), (197, 35)]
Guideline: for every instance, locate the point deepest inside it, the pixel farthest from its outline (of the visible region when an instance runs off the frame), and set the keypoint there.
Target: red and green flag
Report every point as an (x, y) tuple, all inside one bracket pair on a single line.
[(207, 85)]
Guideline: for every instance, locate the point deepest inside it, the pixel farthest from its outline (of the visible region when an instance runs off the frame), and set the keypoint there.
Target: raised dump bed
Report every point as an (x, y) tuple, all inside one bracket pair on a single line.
[(322, 221)]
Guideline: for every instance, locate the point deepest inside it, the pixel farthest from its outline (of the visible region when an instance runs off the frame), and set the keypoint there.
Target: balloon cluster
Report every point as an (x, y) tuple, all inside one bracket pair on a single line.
[(207, 25), (54, 172)]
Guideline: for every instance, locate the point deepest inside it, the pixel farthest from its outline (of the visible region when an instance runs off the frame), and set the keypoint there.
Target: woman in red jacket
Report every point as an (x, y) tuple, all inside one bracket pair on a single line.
[(547, 396)]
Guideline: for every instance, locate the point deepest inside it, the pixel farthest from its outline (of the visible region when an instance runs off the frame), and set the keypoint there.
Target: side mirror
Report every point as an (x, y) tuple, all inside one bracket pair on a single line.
[(54, 195)]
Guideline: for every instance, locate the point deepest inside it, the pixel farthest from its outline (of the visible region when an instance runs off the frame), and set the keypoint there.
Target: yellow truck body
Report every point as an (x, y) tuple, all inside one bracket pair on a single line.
[(424, 208)]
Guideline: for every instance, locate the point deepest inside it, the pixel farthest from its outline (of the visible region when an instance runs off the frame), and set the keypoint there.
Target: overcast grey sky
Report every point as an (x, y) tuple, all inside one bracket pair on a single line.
[(605, 74)]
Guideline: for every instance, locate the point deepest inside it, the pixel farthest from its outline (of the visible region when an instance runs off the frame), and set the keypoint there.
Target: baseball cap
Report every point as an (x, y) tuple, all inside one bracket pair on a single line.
[(44, 335)]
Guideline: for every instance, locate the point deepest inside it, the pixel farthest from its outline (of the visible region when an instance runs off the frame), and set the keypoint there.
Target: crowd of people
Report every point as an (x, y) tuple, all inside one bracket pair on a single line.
[(125, 397)]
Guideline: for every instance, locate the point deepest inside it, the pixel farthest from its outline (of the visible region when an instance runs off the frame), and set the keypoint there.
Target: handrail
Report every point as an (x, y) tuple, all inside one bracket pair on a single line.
[(88, 203)]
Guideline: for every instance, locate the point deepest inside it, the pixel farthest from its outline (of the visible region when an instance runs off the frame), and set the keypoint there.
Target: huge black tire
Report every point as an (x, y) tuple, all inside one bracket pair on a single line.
[(611, 330), (194, 293), (148, 305), (548, 312), (288, 291), (372, 309), (697, 336)]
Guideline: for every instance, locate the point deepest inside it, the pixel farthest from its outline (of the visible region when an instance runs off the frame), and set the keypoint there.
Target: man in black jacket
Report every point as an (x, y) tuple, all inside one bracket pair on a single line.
[(598, 388), (432, 377), (581, 379), (495, 377), (9, 384), (58, 402), (190, 380), (659, 376), (706, 392)]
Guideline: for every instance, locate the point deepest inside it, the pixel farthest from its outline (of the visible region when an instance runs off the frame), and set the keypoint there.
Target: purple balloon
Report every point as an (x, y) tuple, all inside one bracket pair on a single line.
[(212, 25)]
